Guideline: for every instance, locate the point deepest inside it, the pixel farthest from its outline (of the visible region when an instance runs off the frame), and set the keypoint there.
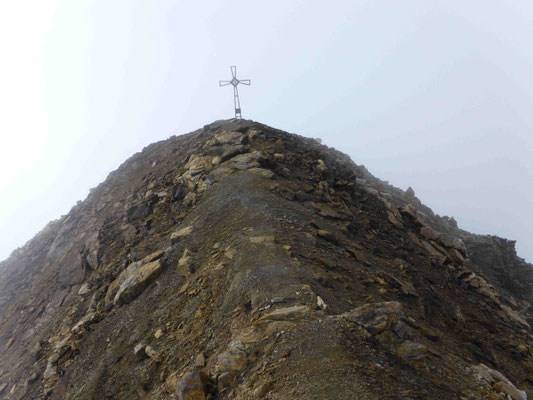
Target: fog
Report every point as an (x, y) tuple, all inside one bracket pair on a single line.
[(433, 95)]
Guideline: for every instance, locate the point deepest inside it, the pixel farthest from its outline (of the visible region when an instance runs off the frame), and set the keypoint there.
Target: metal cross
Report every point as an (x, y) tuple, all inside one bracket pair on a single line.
[(235, 82)]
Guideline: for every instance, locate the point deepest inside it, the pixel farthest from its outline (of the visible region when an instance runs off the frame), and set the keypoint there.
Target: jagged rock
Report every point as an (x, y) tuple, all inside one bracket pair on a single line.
[(453, 242), (321, 303), (185, 263), (139, 211), (140, 351), (231, 152), (177, 236), (84, 289), (199, 361), (192, 386), (428, 233), (327, 235), (265, 173), (412, 351), (510, 390), (499, 381), (378, 317), (294, 313), (132, 281), (514, 316), (262, 239)]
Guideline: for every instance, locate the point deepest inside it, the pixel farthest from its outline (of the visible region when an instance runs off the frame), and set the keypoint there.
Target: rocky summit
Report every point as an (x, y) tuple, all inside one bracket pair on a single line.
[(243, 262)]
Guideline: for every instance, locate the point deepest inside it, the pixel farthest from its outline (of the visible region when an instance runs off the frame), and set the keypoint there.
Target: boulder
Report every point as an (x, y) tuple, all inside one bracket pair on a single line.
[(510, 390), (185, 263), (293, 313), (232, 151), (132, 281), (193, 386), (412, 351), (178, 235), (379, 317), (429, 233)]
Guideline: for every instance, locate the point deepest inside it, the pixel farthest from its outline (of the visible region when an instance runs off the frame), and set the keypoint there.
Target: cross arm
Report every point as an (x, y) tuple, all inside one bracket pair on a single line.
[(245, 82), (223, 83)]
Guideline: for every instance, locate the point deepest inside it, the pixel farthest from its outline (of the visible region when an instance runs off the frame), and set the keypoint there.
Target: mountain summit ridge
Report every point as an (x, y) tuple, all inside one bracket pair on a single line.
[(240, 261)]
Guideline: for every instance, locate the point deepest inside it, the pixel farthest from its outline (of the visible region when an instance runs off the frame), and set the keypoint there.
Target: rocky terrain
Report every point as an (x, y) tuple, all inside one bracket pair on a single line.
[(243, 262)]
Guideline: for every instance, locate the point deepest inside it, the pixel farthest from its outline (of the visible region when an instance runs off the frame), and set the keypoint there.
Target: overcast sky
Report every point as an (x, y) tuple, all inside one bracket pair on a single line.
[(437, 95)]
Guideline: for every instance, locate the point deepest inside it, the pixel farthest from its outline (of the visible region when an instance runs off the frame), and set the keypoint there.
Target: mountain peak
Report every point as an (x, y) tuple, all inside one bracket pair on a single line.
[(240, 261)]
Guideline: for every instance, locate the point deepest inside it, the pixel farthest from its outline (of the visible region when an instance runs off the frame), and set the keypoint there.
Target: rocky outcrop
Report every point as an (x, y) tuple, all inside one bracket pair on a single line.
[(243, 262)]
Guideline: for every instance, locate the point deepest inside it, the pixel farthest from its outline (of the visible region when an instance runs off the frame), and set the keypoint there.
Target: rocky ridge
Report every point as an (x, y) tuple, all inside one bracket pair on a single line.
[(240, 262)]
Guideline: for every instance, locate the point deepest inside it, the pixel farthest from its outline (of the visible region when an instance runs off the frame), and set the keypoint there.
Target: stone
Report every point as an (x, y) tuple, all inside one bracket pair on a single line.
[(262, 239), (409, 211), (179, 191), (456, 256), (234, 359), (158, 333), (185, 263), (321, 166), (225, 381), (378, 317), (229, 137), (50, 371), (429, 233), (132, 281), (151, 352), (434, 252), (139, 211), (199, 361), (232, 151), (263, 172), (140, 351), (178, 235), (452, 241), (327, 235), (84, 289), (412, 351), (510, 390), (192, 386), (230, 253), (321, 303), (293, 313), (514, 316)]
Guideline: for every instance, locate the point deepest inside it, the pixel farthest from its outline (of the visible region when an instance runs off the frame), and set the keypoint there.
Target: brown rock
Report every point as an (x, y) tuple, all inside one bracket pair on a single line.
[(177, 236), (378, 317), (456, 256), (232, 151), (132, 281), (185, 263), (429, 233), (510, 390), (293, 313), (192, 386), (262, 239), (412, 351), (327, 235)]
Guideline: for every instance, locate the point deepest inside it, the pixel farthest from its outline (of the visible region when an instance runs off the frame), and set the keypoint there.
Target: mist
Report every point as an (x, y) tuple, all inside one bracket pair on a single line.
[(435, 95)]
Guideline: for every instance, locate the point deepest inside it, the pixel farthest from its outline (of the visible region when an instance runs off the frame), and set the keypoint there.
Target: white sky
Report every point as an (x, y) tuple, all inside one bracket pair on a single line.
[(437, 95)]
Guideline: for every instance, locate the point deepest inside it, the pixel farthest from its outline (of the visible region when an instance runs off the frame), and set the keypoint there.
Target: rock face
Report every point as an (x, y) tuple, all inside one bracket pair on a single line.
[(243, 262)]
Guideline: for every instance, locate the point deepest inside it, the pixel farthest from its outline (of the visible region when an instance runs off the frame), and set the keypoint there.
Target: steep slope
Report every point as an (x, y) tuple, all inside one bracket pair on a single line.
[(243, 262)]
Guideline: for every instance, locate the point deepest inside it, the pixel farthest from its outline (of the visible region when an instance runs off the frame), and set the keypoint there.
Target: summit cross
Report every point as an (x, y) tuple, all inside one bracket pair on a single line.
[(234, 81)]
